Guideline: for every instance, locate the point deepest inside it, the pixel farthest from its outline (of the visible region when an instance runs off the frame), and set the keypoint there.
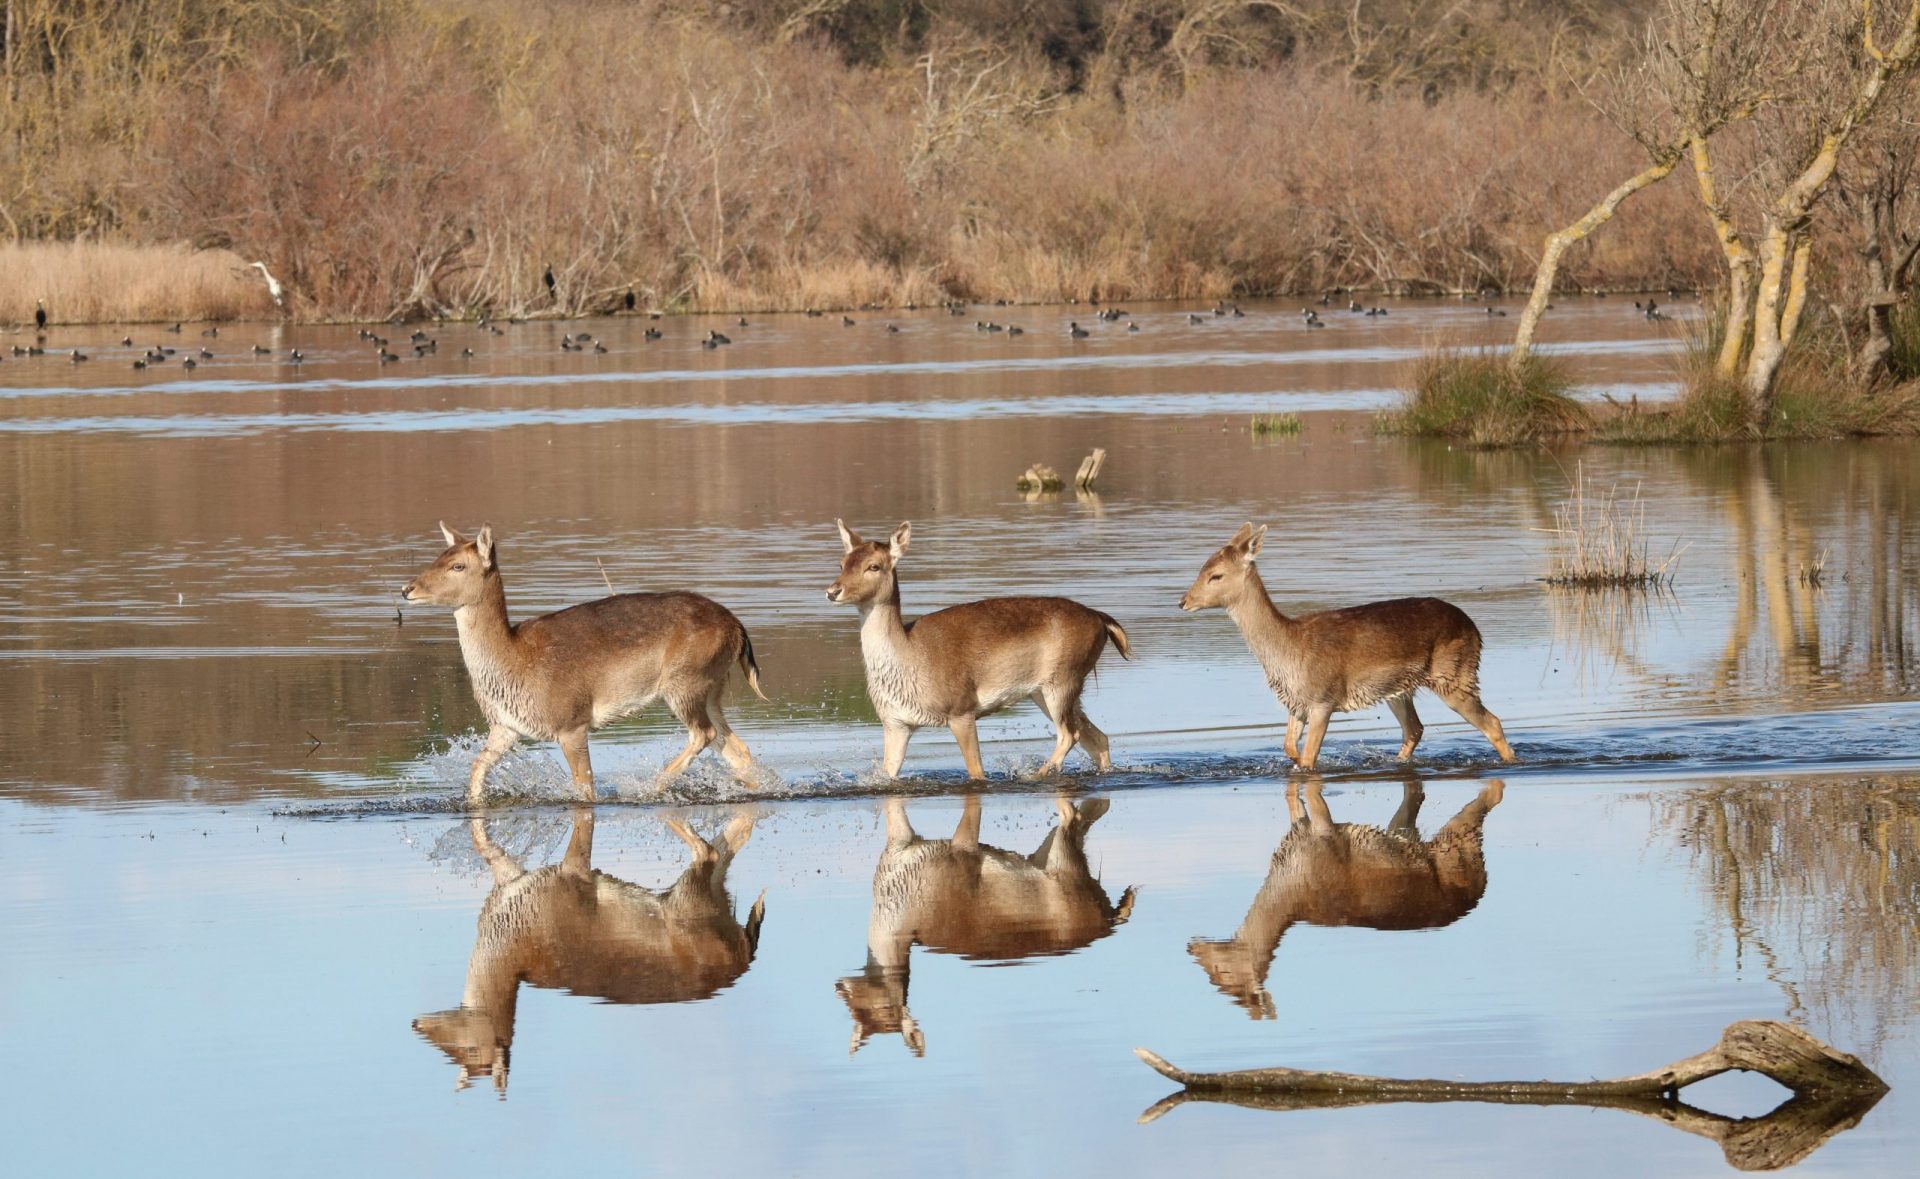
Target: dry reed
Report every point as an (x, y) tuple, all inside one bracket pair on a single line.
[(1600, 542), (96, 282)]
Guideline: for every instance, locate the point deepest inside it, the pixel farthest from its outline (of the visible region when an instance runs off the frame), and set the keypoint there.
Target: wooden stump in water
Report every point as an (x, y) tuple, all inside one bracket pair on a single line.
[(1832, 1091), (1039, 477), (1090, 469)]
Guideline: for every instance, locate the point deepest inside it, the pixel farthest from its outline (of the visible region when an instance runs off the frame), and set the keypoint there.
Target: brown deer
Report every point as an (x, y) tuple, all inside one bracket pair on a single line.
[(957, 665), (1343, 660), (959, 896), (1328, 873), (560, 675), (569, 927)]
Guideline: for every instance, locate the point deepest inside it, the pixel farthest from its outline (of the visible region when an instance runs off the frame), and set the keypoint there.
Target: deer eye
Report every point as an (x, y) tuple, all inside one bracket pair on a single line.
[(1216, 577), (460, 567), (874, 568)]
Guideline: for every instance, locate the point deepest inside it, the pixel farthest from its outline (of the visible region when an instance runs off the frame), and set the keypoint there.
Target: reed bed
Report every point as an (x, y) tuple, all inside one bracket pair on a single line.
[(1284, 424), (96, 282), (1600, 542)]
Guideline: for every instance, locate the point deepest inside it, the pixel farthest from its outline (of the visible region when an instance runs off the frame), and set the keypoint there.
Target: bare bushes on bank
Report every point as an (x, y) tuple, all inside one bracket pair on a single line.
[(443, 164)]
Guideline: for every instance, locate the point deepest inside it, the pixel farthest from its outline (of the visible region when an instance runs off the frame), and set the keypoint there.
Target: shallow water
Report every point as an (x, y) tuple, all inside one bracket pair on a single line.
[(230, 768)]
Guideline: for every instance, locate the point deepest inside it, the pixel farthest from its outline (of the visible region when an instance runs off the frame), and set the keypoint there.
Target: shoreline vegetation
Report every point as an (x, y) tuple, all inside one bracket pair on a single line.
[(418, 158), (464, 159)]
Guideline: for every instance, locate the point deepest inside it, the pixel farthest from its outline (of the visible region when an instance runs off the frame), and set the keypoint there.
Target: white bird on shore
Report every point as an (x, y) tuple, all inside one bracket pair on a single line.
[(273, 284)]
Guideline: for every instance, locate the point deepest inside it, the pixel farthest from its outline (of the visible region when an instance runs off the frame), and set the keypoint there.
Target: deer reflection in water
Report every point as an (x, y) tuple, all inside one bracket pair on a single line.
[(1328, 873), (959, 896), (568, 927)]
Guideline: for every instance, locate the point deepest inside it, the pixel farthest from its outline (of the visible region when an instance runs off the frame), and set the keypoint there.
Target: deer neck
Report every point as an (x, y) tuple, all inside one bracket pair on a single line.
[(1270, 635), (883, 633), (486, 637)]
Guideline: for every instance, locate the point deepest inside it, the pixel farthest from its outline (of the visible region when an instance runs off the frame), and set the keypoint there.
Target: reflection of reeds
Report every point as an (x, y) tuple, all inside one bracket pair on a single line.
[(1600, 541), (1605, 631), (1814, 572), (1820, 878)]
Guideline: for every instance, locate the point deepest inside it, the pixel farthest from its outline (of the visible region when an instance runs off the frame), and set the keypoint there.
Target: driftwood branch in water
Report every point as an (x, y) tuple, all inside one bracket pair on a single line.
[(1832, 1091)]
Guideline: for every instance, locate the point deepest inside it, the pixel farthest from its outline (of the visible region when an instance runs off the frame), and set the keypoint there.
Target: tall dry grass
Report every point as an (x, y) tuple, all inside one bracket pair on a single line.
[(92, 282)]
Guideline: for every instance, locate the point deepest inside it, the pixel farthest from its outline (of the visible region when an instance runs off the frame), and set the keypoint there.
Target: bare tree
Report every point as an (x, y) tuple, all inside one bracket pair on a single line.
[(1703, 67), (1874, 199), (1845, 87)]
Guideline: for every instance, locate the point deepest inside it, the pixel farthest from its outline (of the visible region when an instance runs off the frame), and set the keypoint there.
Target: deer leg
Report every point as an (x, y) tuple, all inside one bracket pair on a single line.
[(1059, 710), (1410, 726), (700, 734), (703, 851), (1316, 733), (894, 748), (499, 740), (578, 859), (1319, 815), (1473, 814), (1468, 705), (1405, 819), (969, 739), (573, 744), (731, 746), (503, 866), (899, 830), (966, 833), (1092, 740), (1292, 743)]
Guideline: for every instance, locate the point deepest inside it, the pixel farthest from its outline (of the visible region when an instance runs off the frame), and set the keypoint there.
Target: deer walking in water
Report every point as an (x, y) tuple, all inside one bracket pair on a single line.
[(959, 896), (1328, 873), (571, 928), (560, 675), (957, 665), (1343, 660)]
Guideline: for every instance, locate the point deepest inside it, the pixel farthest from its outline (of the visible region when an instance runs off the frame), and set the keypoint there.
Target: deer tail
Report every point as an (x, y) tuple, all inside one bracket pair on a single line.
[(748, 665)]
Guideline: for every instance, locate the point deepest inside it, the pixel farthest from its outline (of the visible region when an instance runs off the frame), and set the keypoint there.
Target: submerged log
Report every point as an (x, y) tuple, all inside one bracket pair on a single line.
[(1832, 1091)]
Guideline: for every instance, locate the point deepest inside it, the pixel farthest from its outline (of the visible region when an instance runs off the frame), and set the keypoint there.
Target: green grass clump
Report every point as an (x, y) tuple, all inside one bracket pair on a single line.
[(1275, 423), (1482, 398)]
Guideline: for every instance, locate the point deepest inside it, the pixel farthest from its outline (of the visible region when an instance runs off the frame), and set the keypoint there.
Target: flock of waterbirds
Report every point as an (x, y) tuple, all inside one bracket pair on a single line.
[(389, 349)]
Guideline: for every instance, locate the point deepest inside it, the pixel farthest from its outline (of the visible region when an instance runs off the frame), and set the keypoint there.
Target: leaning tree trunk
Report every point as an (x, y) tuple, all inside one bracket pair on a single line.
[(1559, 240), (1832, 1091), (1739, 307), (1783, 252)]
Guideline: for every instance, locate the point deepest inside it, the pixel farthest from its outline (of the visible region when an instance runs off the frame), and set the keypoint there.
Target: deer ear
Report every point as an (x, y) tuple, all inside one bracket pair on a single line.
[(484, 543), (1255, 541), (897, 547), (1241, 536), (849, 539), (452, 537)]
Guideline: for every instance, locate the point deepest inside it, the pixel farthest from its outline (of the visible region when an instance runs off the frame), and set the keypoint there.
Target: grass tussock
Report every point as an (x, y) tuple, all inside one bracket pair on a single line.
[(1479, 397), (1275, 424), (1600, 542), (92, 282)]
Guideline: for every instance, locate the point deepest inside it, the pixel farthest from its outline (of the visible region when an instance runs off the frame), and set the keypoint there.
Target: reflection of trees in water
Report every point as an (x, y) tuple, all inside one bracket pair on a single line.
[(1820, 880), (1843, 640)]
